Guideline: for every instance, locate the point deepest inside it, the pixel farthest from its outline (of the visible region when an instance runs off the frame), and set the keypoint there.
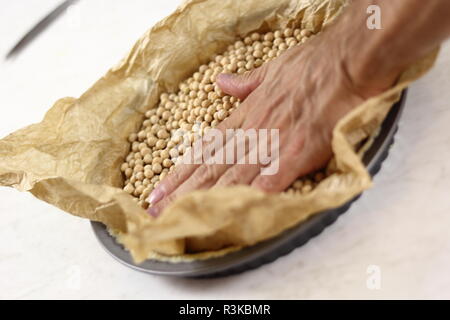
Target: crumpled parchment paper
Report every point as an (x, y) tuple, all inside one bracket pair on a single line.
[(72, 158)]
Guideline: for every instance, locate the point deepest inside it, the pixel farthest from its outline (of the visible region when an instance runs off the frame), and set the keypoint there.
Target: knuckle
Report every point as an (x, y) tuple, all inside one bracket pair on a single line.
[(266, 183), (165, 202), (172, 180), (205, 174), (230, 178), (170, 199), (297, 145), (177, 175)]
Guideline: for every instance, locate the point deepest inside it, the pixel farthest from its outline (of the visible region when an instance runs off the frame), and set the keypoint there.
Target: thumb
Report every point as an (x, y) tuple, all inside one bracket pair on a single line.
[(240, 86)]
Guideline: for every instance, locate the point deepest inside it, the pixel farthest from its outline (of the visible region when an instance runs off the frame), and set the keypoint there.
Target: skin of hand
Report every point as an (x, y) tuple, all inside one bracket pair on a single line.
[(304, 93)]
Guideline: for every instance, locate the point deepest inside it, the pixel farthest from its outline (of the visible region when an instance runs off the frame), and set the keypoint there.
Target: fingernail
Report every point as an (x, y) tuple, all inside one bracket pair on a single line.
[(156, 196), (153, 211)]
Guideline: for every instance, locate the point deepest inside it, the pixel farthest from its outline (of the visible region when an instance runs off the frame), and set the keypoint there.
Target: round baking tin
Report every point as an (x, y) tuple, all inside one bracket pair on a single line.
[(267, 251)]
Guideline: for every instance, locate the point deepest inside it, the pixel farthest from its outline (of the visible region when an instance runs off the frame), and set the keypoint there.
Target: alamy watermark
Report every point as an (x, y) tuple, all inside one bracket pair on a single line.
[(230, 146), (373, 281), (73, 280), (374, 19)]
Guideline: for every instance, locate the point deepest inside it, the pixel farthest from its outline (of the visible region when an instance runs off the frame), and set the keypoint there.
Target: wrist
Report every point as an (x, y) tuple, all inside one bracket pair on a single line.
[(372, 59), (375, 58)]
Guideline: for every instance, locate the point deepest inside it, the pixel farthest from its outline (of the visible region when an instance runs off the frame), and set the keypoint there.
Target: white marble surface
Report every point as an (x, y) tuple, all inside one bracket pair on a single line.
[(401, 225)]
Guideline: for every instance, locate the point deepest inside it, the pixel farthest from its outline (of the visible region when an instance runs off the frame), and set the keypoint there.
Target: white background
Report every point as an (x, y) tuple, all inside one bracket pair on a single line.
[(401, 225)]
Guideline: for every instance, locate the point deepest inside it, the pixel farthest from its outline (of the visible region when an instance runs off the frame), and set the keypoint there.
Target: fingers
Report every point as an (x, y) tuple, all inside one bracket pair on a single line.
[(240, 86), (298, 158), (156, 209), (186, 169), (206, 175), (181, 172), (203, 177), (171, 182)]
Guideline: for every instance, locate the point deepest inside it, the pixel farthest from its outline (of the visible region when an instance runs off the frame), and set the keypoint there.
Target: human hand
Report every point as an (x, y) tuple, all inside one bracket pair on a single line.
[(303, 93)]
